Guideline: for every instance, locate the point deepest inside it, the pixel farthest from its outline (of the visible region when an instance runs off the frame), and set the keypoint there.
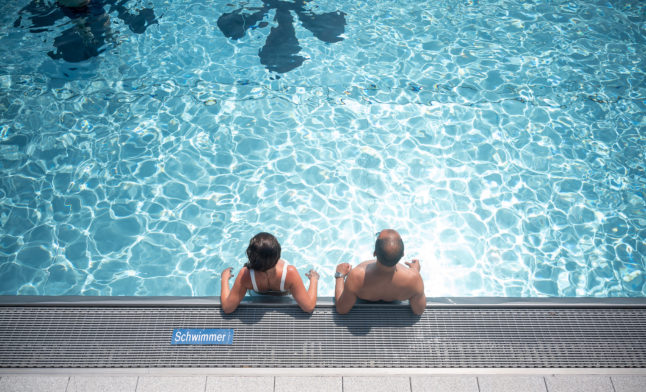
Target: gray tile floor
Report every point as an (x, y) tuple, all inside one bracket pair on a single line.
[(486, 383)]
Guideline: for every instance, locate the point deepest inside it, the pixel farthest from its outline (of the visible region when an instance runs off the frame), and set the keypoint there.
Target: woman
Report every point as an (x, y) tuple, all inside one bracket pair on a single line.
[(267, 273)]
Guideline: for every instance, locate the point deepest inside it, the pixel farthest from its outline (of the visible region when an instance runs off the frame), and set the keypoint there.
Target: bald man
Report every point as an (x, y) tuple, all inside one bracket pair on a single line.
[(383, 279)]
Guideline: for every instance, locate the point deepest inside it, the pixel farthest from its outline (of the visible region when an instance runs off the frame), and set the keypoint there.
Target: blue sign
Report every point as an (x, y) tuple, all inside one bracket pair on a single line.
[(202, 336)]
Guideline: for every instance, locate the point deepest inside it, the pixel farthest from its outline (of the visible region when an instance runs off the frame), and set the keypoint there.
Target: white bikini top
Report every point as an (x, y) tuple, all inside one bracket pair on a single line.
[(282, 279)]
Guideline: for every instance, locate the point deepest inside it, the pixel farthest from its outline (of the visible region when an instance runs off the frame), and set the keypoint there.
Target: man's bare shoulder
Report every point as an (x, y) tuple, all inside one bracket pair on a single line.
[(412, 279), (364, 264), (360, 270), (355, 278), (410, 273)]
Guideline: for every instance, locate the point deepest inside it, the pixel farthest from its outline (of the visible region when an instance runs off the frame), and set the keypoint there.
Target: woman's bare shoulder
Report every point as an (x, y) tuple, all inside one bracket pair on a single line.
[(292, 273), (245, 277)]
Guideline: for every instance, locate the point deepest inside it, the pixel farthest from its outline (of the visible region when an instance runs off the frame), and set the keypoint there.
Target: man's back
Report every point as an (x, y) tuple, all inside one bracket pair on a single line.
[(371, 283), (384, 279)]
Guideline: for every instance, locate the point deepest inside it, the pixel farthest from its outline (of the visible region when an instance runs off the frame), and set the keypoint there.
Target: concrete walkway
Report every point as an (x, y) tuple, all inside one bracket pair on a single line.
[(433, 383)]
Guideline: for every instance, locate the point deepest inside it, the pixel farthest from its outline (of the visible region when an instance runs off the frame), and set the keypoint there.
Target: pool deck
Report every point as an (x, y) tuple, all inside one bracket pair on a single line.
[(334, 379), (297, 380)]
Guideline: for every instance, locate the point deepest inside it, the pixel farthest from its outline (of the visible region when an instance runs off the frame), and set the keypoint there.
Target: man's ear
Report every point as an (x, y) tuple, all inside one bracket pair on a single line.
[(374, 253)]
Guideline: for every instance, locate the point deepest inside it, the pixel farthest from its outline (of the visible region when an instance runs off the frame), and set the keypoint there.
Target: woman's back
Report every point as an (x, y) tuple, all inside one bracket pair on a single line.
[(271, 282), (267, 273)]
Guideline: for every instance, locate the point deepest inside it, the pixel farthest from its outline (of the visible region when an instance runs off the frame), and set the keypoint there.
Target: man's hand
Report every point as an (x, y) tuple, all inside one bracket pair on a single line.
[(343, 268), (344, 299), (414, 264), (312, 275), (226, 274)]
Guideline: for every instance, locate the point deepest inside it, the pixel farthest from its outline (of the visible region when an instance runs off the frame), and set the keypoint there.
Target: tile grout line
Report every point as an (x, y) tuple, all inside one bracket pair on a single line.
[(410, 383), (342, 384), (274, 390), (206, 381), (612, 384), (478, 383), (67, 386), (545, 382), (137, 384)]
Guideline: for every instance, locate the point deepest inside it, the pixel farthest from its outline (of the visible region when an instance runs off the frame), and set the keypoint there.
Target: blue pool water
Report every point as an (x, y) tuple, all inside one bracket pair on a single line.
[(142, 143)]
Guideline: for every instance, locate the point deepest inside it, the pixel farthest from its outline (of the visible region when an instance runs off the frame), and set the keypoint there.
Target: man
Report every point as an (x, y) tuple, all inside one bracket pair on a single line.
[(382, 279)]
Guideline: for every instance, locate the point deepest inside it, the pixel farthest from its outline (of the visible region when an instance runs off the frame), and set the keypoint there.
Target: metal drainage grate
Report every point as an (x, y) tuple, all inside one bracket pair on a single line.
[(370, 336)]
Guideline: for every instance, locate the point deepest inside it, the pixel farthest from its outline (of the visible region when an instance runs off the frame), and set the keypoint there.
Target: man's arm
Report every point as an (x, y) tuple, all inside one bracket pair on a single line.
[(418, 300), (344, 296)]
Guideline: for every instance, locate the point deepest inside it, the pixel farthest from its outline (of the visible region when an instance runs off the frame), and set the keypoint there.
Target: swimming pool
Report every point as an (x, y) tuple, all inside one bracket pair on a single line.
[(142, 143)]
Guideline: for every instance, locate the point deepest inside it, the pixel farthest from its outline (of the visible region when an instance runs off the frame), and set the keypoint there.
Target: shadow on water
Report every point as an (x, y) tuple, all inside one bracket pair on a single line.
[(90, 29), (280, 52)]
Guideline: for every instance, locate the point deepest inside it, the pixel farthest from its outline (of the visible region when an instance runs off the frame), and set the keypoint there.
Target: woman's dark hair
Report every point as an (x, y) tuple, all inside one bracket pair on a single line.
[(263, 252)]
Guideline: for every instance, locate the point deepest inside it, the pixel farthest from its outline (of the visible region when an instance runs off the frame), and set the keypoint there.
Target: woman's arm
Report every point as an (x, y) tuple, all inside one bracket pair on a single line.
[(306, 299), (231, 298)]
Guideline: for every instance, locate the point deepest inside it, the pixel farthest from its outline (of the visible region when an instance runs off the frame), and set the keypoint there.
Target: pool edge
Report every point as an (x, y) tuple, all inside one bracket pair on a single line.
[(268, 301)]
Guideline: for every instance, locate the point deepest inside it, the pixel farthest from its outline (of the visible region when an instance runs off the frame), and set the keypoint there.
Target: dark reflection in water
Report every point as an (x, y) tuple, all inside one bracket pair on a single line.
[(280, 52), (90, 25)]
